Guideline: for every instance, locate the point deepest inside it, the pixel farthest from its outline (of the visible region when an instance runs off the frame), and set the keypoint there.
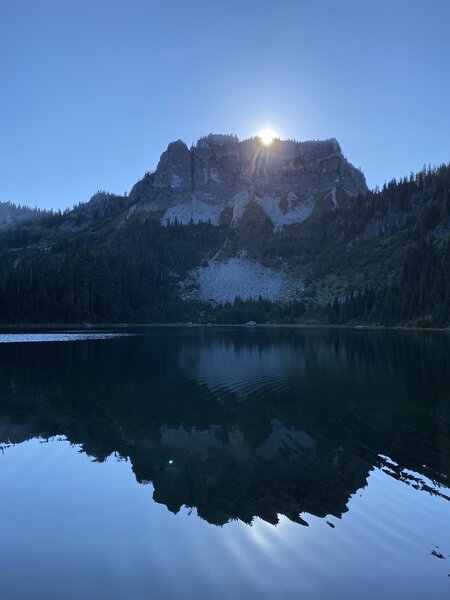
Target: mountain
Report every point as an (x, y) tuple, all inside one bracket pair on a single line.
[(231, 231), (221, 179), (249, 187)]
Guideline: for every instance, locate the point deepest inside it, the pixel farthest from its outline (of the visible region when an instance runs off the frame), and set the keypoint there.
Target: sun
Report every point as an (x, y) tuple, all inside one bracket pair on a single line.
[(267, 136)]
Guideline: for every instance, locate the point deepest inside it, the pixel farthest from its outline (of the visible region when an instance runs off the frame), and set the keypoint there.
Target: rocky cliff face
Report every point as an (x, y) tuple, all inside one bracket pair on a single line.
[(220, 178)]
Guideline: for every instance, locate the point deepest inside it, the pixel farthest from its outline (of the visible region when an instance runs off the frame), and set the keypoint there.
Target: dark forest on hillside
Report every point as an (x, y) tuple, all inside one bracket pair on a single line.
[(383, 260)]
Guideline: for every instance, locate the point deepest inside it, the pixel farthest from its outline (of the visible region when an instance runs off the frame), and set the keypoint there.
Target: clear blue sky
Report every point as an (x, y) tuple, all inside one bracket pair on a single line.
[(93, 91)]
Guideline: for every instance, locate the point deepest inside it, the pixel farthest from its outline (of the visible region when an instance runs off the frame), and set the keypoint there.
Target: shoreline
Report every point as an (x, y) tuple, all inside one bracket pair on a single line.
[(93, 326)]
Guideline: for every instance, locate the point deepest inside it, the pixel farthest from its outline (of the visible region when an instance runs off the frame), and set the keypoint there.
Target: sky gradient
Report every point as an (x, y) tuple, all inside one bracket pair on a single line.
[(92, 92)]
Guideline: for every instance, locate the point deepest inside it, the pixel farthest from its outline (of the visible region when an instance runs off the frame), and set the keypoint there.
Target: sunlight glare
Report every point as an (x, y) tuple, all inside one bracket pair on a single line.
[(267, 136)]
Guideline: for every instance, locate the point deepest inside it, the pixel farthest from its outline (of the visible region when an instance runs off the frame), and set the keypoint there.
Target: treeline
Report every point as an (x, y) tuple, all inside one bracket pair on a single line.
[(418, 295), (341, 241), (383, 260), (128, 277), (260, 311)]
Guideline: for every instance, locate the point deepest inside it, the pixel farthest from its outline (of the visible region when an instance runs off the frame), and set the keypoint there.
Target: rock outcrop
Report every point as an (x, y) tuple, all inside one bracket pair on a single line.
[(218, 178)]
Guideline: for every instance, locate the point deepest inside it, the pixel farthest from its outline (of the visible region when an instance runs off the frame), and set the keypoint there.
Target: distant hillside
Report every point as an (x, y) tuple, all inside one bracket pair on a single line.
[(12, 214), (232, 231)]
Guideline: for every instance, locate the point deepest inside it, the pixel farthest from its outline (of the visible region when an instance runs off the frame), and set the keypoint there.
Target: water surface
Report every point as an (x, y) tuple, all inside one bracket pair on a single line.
[(199, 463)]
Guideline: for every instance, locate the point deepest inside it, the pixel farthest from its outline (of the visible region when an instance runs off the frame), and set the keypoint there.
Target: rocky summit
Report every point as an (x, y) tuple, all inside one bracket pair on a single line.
[(253, 189), (220, 179)]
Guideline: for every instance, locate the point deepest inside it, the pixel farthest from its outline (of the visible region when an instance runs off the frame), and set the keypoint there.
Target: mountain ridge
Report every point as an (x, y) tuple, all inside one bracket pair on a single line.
[(300, 242), (220, 172)]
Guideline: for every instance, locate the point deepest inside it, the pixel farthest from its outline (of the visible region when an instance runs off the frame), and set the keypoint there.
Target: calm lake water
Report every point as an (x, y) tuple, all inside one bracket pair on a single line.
[(225, 463)]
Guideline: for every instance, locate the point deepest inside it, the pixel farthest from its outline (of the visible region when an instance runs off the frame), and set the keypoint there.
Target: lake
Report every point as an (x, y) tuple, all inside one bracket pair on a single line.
[(224, 463)]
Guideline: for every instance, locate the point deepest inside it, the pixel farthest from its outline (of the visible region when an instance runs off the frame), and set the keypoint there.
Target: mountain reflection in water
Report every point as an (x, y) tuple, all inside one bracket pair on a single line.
[(242, 424)]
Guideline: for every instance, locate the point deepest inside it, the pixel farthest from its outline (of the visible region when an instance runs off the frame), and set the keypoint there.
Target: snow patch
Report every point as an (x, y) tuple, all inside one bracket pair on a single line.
[(281, 211), (333, 197), (334, 201), (287, 211), (193, 209), (239, 204), (175, 180)]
